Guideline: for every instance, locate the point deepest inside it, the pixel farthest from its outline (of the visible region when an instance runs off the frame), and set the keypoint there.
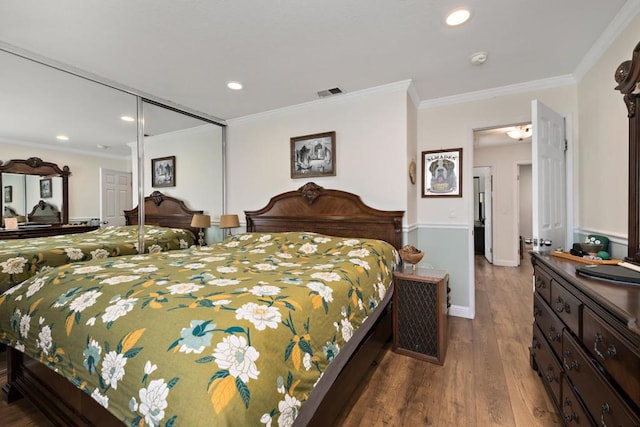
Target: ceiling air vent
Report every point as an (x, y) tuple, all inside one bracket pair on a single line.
[(329, 92)]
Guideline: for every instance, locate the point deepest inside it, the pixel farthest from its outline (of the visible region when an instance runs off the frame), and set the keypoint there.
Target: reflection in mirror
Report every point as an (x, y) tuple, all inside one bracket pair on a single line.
[(40, 102), (197, 171)]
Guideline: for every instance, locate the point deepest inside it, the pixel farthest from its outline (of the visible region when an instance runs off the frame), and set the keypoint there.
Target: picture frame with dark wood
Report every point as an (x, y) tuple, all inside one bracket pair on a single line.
[(163, 172), (8, 193), (46, 192), (313, 155), (442, 173)]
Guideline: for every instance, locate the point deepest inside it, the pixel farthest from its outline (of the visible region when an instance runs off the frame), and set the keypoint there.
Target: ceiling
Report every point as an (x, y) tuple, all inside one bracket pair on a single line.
[(285, 51)]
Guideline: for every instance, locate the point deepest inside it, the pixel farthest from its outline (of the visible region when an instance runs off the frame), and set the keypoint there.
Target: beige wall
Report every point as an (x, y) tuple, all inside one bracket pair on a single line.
[(84, 182), (371, 149), (603, 157)]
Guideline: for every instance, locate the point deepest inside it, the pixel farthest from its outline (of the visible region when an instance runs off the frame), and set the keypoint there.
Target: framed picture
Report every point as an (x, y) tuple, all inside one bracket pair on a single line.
[(313, 155), (163, 172), (442, 173), (45, 188), (8, 193)]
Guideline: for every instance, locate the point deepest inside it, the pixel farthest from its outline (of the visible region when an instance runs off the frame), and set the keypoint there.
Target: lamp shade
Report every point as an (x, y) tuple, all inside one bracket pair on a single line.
[(229, 221), (201, 221)]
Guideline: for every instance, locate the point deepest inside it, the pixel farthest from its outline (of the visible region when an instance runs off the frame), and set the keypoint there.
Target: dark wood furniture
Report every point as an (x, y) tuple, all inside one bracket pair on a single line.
[(628, 78), (42, 231), (66, 405), (36, 166), (478, 239), (333, 212), (164, 211), (420, 310), (586, 344)]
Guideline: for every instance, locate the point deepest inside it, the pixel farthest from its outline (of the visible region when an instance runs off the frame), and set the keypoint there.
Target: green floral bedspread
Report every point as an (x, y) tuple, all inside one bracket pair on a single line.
[(236, 333), (21, 259)]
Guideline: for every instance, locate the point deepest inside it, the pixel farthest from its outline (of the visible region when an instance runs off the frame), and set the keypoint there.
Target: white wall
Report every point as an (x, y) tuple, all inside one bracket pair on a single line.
[(504, 160), (84, 182), (604, 141), (371, 149)]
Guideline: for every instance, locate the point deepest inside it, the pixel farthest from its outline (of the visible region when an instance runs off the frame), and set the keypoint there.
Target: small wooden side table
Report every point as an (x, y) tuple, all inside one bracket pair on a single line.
[(420, 310)]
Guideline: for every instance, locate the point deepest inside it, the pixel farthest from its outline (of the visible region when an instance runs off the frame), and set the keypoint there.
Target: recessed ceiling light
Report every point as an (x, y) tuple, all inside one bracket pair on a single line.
[(457, 17), (127, 118), (62, 138), (234, 85), (102, 147)]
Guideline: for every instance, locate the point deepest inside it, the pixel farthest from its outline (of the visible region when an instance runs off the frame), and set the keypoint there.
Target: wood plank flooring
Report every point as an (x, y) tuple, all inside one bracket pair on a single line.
[(486, 379)]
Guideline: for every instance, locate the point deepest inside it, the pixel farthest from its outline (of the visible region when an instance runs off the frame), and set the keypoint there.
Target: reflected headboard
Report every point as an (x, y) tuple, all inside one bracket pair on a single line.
[(45, 213), (331, 212), (165, 211)]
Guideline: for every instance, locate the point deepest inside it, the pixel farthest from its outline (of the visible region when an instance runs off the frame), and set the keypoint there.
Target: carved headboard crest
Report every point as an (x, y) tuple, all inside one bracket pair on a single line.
[(157, 197), (310, 192)]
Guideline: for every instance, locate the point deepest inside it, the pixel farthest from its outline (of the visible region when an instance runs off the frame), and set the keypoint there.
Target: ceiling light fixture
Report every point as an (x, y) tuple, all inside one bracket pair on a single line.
[(520, 132), (62, 138), (102, 147), (127, 118), (457, 17), (234, 85), (479, 58)]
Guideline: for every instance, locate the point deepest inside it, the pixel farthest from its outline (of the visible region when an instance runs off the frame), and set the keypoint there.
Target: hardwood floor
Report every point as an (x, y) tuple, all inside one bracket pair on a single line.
[(486, 379)]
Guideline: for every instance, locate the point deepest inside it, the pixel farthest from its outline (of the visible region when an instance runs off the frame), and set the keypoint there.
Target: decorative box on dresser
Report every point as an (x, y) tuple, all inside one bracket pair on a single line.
[(586, 344), (420, 309)]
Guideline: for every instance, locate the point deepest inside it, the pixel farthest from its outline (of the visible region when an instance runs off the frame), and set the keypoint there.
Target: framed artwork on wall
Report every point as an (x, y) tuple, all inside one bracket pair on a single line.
[(8, 193), (163, 172), (45, 188), (442, 173), (313, 155)]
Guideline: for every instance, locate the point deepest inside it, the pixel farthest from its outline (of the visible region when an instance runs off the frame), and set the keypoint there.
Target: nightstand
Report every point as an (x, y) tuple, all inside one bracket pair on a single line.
[(420, 309)]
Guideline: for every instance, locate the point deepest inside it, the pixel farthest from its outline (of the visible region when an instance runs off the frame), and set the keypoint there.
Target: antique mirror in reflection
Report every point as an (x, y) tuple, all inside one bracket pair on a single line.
[(63, 119)]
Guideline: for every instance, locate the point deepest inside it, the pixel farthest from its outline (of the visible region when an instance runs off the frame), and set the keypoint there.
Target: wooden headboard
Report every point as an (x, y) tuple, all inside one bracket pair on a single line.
[(331, 212), (165, 211), (45, 213)]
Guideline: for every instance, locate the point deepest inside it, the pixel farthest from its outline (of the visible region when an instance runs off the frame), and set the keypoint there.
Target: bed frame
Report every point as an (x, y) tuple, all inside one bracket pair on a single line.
[(164, 211), (310, 208)]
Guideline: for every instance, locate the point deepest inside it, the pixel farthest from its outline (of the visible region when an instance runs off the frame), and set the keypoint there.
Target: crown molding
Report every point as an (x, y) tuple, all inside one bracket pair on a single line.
[(617, 25), (403, 85), (480, 95)]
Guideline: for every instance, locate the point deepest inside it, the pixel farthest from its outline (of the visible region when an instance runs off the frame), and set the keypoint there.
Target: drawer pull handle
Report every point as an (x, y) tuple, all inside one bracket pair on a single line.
[(562, 306), (604, 410), (568, 417), (611, 350), (551, 377), (536, 311), (540, 283), (553, 335), (535, 344), (570, 366)]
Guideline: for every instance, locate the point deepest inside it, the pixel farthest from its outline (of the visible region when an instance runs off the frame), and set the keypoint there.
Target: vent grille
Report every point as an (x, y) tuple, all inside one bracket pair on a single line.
[(329, 92)]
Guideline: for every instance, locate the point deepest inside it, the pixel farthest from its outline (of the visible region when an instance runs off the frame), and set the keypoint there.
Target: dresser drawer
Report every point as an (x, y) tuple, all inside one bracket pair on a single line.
[(602, 402), (571, 409), (542, 283), (613, 352), (548, 366), (566, 306), (549, 324)]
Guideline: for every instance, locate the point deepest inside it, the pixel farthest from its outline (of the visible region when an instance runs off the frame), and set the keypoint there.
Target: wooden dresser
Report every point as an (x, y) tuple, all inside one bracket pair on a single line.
[(586, 344), (44, 231)]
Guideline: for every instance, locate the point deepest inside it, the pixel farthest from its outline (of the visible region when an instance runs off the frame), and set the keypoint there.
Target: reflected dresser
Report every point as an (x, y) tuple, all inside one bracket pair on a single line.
[(586, 344)]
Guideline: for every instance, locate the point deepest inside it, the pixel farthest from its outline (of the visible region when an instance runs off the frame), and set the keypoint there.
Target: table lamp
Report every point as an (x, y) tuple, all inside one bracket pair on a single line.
[(201, 221), (228, 222)]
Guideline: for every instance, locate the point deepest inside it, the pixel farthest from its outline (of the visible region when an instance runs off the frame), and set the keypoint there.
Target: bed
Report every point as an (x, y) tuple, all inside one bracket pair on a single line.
[(268, 281), (169, 229)]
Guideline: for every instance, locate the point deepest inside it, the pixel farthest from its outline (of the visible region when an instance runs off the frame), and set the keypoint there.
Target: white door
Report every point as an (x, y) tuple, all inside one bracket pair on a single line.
[(115, 196), (548, 178)]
